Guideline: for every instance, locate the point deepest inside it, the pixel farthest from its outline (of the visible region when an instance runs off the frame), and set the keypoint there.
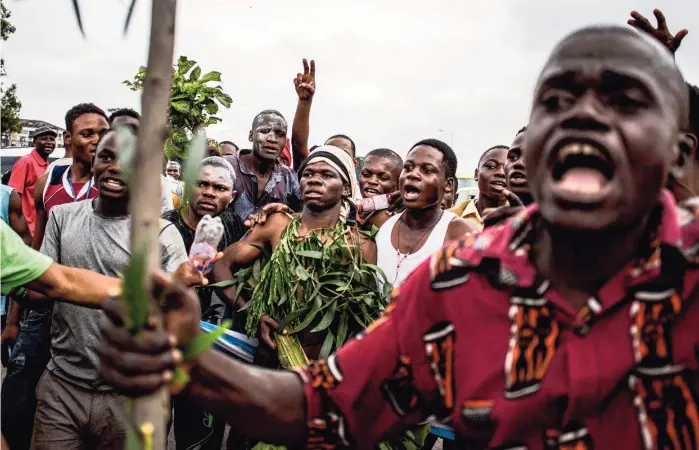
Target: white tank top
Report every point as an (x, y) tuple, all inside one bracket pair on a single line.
[(397, 266)]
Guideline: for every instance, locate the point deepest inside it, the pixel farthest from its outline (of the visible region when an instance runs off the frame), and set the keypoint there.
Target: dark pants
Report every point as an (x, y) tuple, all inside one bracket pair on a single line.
[(28, 361), (71, 417)]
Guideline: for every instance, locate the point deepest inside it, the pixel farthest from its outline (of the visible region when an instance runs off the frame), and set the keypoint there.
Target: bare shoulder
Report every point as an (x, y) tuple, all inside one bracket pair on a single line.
[(459, 227)]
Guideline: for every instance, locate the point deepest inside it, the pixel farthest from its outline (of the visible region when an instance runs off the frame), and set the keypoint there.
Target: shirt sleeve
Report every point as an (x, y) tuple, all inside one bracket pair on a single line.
[(20, 264), (51, 245), (172, 250), (18, 178), (381, 384)]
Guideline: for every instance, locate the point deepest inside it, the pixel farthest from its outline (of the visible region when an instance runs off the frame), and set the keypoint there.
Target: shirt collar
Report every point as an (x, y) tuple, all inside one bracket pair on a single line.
[(39, 160), (506, 248)]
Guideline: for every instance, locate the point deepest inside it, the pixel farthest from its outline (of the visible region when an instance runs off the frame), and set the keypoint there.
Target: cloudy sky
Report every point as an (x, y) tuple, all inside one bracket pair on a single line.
[(389, 72)]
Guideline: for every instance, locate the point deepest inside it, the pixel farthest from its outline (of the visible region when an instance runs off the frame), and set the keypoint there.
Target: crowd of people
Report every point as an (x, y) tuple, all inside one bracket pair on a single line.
[(557, 310)]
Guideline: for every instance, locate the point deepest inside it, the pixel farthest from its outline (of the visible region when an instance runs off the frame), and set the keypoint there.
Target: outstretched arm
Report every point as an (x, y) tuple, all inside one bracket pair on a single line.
[(17, 220), (305, 85)]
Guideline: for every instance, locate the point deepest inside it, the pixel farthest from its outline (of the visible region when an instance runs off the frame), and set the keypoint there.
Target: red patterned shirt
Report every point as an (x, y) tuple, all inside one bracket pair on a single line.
[(478, 339)]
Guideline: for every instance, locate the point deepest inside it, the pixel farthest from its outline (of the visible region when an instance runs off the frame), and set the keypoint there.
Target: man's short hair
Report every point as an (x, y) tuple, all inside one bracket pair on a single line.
[(388, 154), (448, 156), (485, 153), (230, 143), (174, 164), (219, 162), (266, 112), (80, 109), (343, 136), (124, 112)]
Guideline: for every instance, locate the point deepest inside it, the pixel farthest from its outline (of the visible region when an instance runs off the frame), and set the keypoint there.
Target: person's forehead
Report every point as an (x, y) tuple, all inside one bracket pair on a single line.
[(90, 120), (271, 120), (518, 141), (108, 142), (424, 153), (340, 142), (213, 174), (495, 154), (379, 163), (320, 166)]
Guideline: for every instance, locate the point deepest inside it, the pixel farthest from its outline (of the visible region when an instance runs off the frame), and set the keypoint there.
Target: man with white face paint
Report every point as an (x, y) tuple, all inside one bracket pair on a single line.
[(213, 192), (260, 178)]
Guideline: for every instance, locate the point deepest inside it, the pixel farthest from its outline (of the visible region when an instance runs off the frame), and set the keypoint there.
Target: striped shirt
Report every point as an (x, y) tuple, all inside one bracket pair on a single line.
[(60, 189)]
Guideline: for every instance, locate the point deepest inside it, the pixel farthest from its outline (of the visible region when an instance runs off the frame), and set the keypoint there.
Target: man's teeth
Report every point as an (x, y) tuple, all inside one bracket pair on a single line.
[(577, 148), (114, 183)]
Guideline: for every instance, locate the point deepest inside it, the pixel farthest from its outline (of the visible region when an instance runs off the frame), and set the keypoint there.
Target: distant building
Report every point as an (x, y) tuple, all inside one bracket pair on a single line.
[(25, 138)]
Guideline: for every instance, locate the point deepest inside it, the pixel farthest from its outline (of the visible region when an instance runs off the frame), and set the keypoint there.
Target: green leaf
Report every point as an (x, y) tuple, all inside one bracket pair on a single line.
[(327, 346), (204, 341), (224, 99), (212, 108), (290, 318), (256, 268), (309, 318), (282, 300), (327, 319), (245, 306), (195, 74), (302, 273), (134, 291), (211, 76), (342, 330), (190, 172), (224, 283), (180, 106), (184, 64), (126, 143), (310, 254)]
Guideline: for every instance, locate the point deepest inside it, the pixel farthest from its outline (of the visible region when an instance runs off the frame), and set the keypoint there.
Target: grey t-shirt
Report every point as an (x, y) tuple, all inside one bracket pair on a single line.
[(76, 236)]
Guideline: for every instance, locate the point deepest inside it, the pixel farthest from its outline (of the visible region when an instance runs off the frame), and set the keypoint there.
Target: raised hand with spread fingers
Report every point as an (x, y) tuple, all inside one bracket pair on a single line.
[(661, 33)]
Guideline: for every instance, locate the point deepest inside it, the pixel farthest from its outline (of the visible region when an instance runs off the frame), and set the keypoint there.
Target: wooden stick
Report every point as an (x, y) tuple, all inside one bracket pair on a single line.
[(151, 413)]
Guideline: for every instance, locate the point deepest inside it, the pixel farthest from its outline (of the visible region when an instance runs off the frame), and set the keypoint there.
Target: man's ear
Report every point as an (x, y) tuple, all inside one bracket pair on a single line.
[(450, 185), (685, 155), (233, 195), (347, 191), (250, 136), (475, 175)]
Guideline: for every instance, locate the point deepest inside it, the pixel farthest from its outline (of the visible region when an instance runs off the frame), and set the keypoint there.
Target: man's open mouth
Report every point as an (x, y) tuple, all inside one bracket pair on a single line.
[(371, 192), (517, 178), (113, 184), (582, 169), (498, 184), (410, 192)]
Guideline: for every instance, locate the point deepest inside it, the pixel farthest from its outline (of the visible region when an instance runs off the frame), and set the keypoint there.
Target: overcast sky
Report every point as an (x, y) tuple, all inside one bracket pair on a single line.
[(389, 72)]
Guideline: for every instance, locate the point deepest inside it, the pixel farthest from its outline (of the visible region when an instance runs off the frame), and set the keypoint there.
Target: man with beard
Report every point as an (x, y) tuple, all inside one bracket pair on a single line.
[(28, 169), (409, 238), (260, 177), (589, 295), (61, 184), (212, 194), (74, 408), (379, 175)]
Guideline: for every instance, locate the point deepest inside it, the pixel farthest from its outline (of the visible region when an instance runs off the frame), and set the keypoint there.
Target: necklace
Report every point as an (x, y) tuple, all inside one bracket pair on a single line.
[(403, 256)]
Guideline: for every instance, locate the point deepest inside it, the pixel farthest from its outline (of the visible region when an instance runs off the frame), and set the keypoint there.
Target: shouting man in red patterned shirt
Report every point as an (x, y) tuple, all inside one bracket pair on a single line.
[(571, 325)]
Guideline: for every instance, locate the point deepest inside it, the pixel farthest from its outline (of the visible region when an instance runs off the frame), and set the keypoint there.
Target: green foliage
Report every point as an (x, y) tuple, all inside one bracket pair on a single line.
[(318, 280), (6, 28), (134, 291), (10, 111), (194, 102)]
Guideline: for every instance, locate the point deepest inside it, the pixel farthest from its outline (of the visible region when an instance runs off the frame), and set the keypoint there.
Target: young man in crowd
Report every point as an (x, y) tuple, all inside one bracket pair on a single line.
[(29, 168), (589, 295), (228, 148), (490, 176), (61, 184), (516, 171), (125, 116), (74, 407), (409, 238), (260, 177), (213, 192), (379, 175)]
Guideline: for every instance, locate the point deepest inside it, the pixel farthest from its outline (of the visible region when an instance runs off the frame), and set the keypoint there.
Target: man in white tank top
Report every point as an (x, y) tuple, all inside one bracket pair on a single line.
[(409, 238)]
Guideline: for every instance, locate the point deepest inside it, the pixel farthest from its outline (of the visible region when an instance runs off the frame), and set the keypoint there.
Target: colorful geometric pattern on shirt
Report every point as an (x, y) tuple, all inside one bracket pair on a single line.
[(666, 402), (399, 389), (59, 190), (573, 436), (439, 346), (325, 374), (534, 337)]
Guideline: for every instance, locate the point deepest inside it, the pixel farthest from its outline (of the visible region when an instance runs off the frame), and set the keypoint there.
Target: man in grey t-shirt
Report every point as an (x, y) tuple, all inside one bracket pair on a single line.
[(74, 408)]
